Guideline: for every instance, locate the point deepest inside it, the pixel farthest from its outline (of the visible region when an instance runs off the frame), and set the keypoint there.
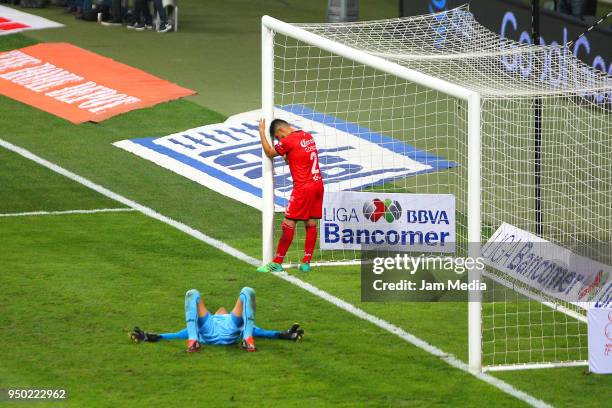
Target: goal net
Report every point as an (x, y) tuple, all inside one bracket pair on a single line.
[(518, 134)]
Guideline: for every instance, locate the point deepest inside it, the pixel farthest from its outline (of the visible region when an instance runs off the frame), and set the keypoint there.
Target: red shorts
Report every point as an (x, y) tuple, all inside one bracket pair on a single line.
[(305, 202)]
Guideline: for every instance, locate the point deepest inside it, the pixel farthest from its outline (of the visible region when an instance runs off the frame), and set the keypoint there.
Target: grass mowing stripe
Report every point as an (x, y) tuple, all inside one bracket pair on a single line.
[(99, 210), (410, 338)]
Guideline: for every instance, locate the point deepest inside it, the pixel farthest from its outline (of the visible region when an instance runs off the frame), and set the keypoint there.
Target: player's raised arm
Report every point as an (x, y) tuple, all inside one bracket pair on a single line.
[(268, 149)]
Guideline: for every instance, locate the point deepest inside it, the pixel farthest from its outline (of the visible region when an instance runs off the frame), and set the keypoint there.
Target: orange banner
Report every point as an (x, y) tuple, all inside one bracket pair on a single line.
[(78, 85)]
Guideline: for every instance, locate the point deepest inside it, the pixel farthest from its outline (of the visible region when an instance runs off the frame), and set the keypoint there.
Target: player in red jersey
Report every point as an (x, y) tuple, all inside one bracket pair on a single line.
[(306, 201)]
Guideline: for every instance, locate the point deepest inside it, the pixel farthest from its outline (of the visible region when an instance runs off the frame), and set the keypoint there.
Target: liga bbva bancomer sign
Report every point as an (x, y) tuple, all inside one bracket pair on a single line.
[(397, 222)]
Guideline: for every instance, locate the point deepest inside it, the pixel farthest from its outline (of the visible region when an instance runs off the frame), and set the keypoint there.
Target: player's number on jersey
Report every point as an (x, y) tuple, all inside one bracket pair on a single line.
[(314, 159)]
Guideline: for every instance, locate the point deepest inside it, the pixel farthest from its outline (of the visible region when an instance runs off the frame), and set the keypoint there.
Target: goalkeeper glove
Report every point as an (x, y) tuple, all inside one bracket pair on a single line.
[(138, 336)]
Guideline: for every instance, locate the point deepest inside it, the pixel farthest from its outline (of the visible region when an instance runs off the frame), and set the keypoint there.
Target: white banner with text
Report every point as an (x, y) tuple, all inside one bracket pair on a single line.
[(388, 221)]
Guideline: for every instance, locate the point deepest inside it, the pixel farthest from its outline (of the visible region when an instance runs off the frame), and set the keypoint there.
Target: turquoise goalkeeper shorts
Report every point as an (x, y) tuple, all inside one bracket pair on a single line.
[(219, 329)]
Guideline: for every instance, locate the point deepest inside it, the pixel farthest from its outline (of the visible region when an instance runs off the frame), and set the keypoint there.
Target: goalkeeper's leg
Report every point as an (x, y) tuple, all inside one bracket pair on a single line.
[(194, 310), (245, 309)]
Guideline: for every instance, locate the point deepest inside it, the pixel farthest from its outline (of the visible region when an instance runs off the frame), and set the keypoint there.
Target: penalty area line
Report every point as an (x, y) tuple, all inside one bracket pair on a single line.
[(67, 212), (220, 245)]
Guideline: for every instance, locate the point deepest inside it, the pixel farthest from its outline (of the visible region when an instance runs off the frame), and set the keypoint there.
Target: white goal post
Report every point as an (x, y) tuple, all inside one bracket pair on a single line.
[(269, 27), (365, 55)]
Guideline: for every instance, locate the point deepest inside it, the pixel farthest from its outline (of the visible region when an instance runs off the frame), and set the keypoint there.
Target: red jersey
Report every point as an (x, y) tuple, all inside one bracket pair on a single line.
[(302, 157)]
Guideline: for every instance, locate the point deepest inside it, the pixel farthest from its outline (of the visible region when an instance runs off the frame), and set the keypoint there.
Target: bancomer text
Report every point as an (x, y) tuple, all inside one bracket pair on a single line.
[(334, 234)]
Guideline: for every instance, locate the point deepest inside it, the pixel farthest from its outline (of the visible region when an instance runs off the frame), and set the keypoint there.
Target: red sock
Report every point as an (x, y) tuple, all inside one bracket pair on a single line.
[(309, 242), (284, 242)]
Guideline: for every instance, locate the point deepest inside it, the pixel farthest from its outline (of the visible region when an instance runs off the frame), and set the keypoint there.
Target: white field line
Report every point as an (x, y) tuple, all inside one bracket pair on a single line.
[(401, 333), (98, 210)]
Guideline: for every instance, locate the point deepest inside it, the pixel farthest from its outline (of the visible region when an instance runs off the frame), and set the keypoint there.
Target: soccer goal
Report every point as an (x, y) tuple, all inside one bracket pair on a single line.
[(520, 135)]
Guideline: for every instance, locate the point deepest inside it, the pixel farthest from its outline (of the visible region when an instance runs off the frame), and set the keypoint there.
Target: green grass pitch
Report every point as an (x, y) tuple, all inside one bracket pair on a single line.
[(72, 285)]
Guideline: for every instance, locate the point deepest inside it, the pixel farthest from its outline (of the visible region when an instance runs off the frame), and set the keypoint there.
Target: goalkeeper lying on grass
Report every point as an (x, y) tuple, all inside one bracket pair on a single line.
[(221, 328)]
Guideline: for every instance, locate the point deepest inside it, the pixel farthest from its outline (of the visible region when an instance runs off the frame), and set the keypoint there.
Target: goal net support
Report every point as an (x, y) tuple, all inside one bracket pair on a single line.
[(438, 104)]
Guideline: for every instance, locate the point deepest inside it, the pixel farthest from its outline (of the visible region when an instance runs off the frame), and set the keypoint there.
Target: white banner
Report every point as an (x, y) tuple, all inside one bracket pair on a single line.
[(394, 221), (549, 268), (13, 21), (600, 340), (226, 157)]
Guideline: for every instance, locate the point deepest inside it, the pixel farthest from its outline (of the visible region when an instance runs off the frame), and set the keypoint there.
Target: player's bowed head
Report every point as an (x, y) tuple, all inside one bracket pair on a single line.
[(279, 129)]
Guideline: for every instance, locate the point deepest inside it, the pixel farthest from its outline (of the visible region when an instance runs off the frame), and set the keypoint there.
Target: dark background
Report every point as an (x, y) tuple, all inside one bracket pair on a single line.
[(595, 48)]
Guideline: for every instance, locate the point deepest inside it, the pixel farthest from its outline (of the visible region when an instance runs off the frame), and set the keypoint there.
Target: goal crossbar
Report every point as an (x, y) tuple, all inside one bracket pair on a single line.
[(362, 57)]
